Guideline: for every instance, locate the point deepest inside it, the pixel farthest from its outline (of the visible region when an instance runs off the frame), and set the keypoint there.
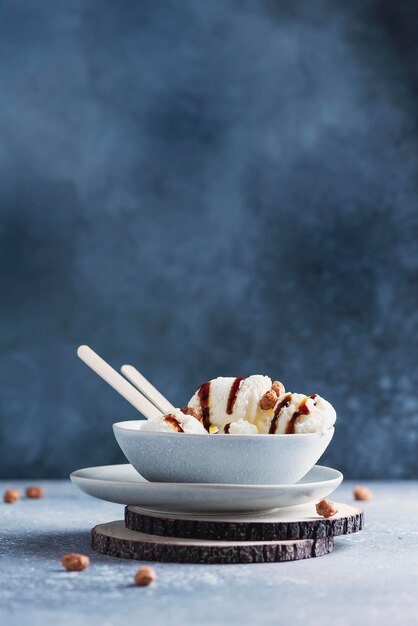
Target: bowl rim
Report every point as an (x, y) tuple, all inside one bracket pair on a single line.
[(144, 433)]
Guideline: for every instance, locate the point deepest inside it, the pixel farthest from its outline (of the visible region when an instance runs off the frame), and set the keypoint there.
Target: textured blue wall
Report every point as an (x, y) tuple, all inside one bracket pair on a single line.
[(202, 189)]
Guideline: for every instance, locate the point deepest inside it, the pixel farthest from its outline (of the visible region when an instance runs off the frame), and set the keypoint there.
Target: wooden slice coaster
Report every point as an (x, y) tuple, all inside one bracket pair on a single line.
[(301, 522), (115, 539)]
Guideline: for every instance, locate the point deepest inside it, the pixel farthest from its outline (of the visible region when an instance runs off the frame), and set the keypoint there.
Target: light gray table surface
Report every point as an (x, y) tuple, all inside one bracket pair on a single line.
[(370, 578)]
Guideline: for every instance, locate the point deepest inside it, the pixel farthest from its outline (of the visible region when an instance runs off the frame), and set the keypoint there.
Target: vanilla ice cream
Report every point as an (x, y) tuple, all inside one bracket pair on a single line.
[(240, 427), (296, 413), (176, 421), (225, 401), (246, 406)]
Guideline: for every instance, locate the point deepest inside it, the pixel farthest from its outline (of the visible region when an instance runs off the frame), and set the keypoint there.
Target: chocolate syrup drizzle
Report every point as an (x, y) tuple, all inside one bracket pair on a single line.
[(172, 420), (283, 403), (302, 410), (203, 394), (233, 395), (226, 429)]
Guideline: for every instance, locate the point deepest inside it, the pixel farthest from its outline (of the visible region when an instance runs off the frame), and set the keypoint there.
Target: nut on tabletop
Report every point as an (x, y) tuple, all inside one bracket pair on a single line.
[(34, 492), (144, 576), (74, 562), (11, 496), (362, 493), (326, 508)]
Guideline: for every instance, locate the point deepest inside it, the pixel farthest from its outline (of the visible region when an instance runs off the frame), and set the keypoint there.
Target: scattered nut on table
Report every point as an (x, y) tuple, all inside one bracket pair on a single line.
[(34, 492), (144, 576), (362, 493), (74, 562), (11, 496), (326, 508)]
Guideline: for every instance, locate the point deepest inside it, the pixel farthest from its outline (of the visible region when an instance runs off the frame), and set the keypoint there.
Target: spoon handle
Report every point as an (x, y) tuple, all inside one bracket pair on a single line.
[(148, 389), (115, 380)]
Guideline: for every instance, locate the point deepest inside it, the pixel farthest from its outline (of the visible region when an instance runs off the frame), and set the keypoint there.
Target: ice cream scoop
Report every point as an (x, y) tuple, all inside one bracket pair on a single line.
[(296, 413), (247, 406), (175, 421), (225, 400), (240, 427)]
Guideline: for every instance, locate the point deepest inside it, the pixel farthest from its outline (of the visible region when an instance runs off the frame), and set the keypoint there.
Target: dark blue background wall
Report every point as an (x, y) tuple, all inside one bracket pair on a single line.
[(202, 189)]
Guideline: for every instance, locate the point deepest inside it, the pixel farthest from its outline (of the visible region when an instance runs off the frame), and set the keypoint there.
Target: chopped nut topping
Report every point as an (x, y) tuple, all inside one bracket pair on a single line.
[(74, 562), (187, 410), (268, 401), (144, 576), (278, 387), (11, 496), (362, 493), (326, 508), (213, 429), (34, 492)]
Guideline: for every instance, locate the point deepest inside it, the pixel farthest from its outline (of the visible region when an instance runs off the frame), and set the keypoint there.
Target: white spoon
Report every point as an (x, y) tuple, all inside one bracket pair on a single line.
[(144, 385), (115, 380)]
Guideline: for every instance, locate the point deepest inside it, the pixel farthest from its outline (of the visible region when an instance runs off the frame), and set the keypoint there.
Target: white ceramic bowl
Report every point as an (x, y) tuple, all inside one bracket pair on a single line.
[(222, 459)]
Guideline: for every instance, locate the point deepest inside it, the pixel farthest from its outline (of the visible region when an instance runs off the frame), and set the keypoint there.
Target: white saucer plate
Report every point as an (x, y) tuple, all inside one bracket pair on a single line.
[(123, 485)]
